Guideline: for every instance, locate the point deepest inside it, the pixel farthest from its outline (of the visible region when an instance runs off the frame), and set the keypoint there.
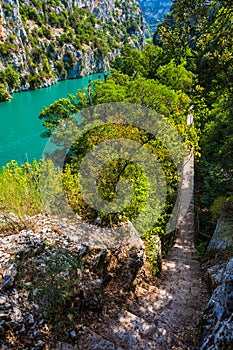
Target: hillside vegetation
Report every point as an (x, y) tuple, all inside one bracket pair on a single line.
[(187, 71), (45, 41)]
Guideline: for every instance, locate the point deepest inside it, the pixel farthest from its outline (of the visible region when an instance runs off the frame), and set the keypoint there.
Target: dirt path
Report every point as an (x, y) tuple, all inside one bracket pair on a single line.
[(181, 297), (182, 290), (162, 317)]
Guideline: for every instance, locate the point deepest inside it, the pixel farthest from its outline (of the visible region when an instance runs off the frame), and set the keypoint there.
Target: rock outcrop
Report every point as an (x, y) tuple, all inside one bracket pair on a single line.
[(49, 41), (217, 322), (216, 325), (222, 238), (50, 284)]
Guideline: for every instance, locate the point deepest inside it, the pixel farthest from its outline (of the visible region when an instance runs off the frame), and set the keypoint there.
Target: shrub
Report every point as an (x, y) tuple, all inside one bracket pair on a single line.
[(19, 196), (4, 96)]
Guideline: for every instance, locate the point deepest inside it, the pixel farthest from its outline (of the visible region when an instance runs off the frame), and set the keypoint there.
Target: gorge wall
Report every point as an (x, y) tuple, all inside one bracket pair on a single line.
[(42, 42), (154, 11)]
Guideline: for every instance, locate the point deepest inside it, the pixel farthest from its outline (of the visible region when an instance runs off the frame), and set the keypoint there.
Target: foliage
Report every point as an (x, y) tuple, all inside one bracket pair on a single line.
[(4, 95), (176, 76), (144, 63), (218, 207), (11, 77), (59, 110), (201, 248), (19, 196), (141, 77), (9, 80)]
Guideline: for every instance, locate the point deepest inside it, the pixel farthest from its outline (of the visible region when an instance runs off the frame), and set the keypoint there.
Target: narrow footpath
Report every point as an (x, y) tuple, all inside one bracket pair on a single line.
[(162, 316)]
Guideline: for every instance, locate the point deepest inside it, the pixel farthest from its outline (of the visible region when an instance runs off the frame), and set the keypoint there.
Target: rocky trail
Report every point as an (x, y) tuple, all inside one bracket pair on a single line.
[(160, 317)]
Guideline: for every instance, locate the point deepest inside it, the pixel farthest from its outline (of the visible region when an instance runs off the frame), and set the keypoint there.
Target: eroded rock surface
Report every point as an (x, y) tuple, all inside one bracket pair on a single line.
[(217, 322), (49, 280)]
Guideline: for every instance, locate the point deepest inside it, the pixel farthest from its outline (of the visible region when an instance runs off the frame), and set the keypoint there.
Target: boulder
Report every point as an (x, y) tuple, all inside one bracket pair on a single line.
[(216, 325)]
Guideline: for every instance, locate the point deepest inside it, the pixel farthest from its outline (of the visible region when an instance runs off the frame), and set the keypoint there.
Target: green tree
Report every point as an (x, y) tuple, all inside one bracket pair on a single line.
[(11, 77), (57, 111), (176, 76)]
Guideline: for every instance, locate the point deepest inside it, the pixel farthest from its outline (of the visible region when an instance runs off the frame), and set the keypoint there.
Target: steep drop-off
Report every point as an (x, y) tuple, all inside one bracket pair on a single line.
[(46, 41)]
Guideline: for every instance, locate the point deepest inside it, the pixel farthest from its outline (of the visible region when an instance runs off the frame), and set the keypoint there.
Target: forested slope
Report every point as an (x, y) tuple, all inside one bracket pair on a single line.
[(42, 42)]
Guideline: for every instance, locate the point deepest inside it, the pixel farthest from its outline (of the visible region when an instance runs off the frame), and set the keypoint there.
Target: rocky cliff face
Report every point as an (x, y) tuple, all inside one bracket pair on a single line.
[(46, 41), (154, 11)]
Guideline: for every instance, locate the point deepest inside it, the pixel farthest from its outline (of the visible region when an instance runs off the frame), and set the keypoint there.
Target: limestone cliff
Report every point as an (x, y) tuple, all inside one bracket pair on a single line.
[(46, 41), (154, 11)]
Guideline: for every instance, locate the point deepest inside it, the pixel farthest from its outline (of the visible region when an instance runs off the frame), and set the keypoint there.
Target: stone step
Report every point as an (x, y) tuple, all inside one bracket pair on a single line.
[(148, 304), (127, 332), (132, 322), (135, 333), (91, 340)]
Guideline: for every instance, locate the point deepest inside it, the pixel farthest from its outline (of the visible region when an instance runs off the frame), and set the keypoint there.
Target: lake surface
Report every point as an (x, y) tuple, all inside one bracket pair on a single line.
[(20, 127)]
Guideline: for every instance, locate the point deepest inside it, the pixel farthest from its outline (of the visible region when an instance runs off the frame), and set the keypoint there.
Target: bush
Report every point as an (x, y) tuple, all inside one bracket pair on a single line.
[(34, 81), (19, 196)]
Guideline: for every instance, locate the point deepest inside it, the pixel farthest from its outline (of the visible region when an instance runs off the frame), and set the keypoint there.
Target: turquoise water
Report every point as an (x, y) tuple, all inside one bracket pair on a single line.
[(20, 126)]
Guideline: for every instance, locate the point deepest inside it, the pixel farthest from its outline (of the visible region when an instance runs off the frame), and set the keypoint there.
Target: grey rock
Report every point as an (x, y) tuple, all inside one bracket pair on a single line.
[(2, 300), (22, 329), (30, 320), (16, 316), (64, 346), (9, 276), (19, 308), (73, 335), (39, 345), (36, 333), (7, 282), (104, 345), (222, 238), (2, 331), (98, 221), (217, 321), (5, 314)]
